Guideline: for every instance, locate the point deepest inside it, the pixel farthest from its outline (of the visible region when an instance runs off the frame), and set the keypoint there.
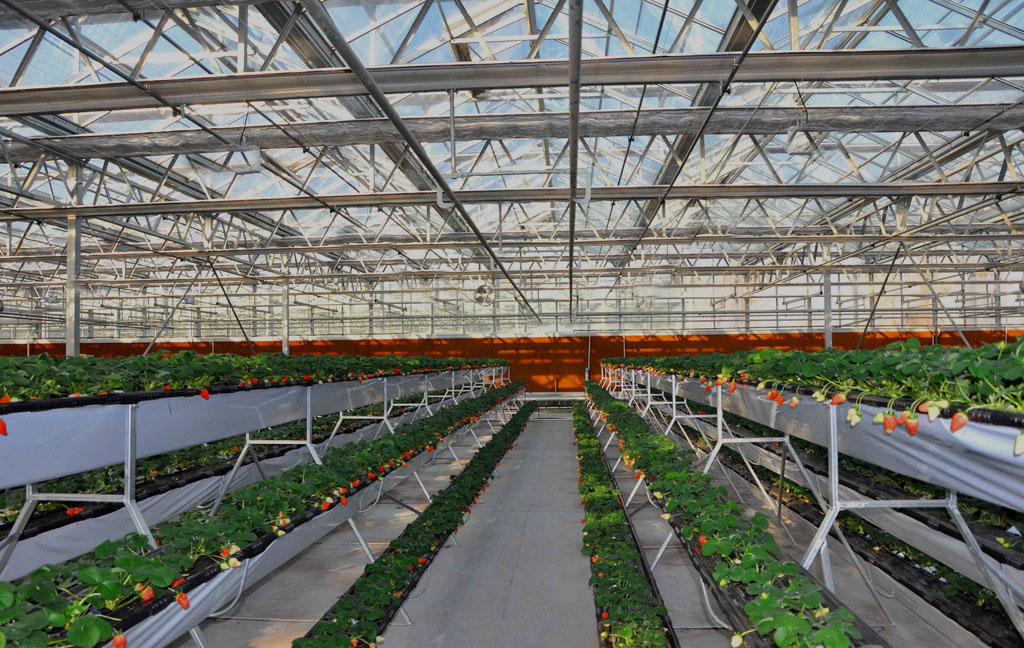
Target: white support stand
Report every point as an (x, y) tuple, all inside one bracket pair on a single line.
[(1009, 593), (126, 498), (250, 443)]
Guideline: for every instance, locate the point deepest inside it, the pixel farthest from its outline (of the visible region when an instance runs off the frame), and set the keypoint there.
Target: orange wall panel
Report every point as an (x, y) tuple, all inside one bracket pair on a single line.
[(546, 363)]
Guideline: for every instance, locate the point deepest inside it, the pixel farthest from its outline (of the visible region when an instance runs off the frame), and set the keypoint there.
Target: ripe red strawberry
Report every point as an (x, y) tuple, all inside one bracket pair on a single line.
[(355, 643), (355, 483), (701, 540), (70, 512), (3, 428), (253, 381), (732, 386), (119, 641), (912, 424), (372, 475), (423, 561), (604, 615), (344, 501), (178, 582), (703, 380), (225, 552), (167, 388), (838, 399), (306, 377), (398, 595), (205, 394), (959, 420), (923, 407), (325, 505), (780, 400), (79, 510), (146, 593), (772, 395), (889, 422), (583, 521), (707, 387), (182, 600), (5, 399), (902, 418)]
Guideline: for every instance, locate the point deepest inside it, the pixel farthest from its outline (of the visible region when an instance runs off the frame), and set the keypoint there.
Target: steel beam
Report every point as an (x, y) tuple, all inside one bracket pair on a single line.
[(603, 123), (759, 67), (545, 194)]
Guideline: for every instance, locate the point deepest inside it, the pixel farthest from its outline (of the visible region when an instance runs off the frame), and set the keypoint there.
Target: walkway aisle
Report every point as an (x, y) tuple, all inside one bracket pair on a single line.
[(518, 577), (285, 604)]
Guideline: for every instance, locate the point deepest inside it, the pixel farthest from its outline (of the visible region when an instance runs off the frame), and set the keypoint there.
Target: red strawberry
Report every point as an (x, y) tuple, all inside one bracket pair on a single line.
[(701, 540), (167, 388), (902, 418), (423, 561), (889, 422), (923, 407), (780, 400), (225, 552), (959, 420), (838, 399), (178, 582), (5, 399), (772, 395), (146, 593), (707, 387), (703, 380), (604, 615), (205, 394), (70, 512), (732, 386), (325, 505), (398, 595), (912, 425), (344, 501), (307, 378), (355, 643), (119, 641), (3, 428), (182, 600), (253, 381), (372, 475)]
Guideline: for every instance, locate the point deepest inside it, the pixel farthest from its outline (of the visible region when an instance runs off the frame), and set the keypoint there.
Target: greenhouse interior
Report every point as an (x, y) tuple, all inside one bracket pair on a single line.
[(511, 323)]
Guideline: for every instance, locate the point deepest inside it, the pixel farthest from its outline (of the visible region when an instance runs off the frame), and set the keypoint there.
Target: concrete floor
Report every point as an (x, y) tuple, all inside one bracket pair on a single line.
[(518, 577), (284, 605)]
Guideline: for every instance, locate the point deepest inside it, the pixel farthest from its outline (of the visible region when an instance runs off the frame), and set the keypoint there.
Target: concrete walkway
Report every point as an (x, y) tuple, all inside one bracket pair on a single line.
[(285, 604), (518, 577)]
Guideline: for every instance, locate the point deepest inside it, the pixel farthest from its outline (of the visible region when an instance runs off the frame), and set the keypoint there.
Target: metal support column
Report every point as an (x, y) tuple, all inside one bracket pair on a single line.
[(72, 299), (286, 331)]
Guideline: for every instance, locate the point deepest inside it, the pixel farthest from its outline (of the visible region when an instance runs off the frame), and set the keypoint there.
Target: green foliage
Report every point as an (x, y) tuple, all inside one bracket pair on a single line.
[(783, 602), (363, 612), (620, 587), (44, 376), (59, 606), (990, 376)]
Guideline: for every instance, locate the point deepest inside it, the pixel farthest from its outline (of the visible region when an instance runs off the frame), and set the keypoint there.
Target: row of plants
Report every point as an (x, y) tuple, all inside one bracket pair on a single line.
[(781, 600), (630, 610), (362, 613), (93, 598), (946, 380), (43, 376), (170, 465)]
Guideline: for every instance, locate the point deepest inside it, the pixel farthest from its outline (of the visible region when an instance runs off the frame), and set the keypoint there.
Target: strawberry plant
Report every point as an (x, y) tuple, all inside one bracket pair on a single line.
[(82, 602), (43, 376), (990, 376), (632, 614), (783, 602), (364, 611)]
